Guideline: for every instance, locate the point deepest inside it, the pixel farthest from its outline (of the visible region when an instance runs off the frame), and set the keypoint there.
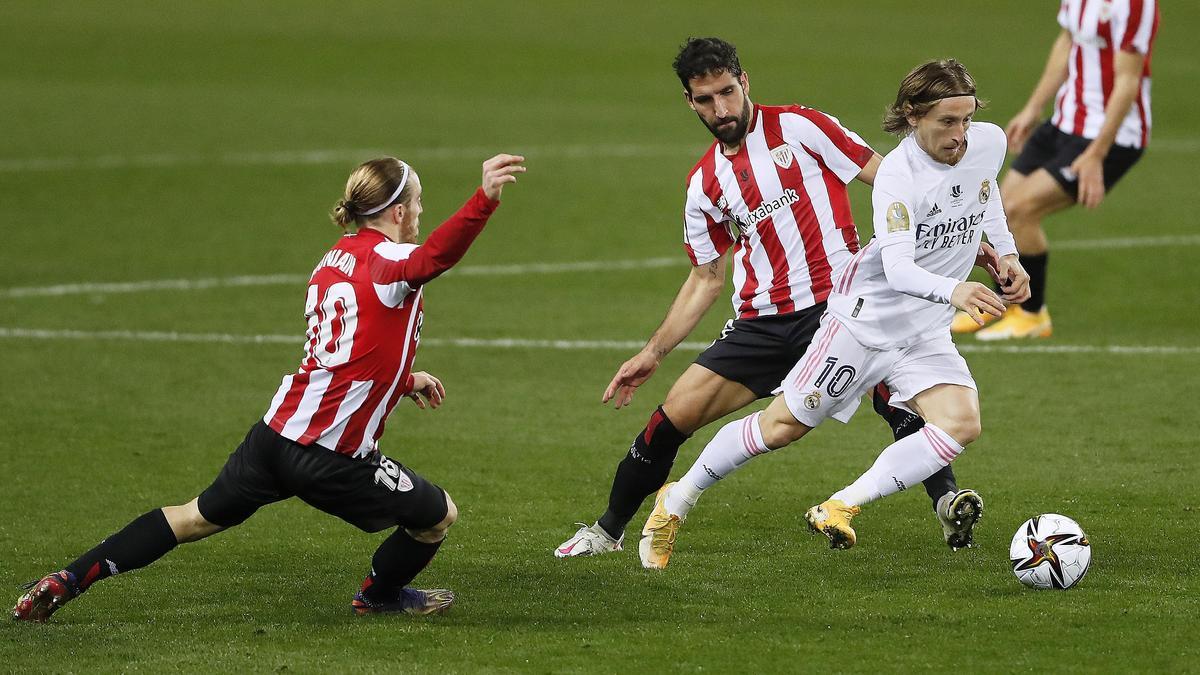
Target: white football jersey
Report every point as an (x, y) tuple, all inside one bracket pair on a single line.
[(937, 213)]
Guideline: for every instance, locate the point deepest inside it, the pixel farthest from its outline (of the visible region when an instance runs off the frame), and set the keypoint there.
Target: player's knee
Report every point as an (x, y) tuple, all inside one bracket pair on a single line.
[(187, 523), (685, 417), (432, 535), (1021, 212), (964, 429), (779, 426)]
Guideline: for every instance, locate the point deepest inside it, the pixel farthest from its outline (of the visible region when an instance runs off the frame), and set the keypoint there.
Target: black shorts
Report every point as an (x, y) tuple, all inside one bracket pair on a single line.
[(759, 352), (1052, 149), (371, 493)]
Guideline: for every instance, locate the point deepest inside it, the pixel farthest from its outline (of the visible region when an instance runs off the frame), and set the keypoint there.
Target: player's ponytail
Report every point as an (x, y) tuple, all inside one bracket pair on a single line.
[(371, 188), (921, 90)]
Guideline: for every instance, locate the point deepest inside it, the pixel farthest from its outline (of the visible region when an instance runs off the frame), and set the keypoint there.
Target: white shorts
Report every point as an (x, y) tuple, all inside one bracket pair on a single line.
[(832, 376)]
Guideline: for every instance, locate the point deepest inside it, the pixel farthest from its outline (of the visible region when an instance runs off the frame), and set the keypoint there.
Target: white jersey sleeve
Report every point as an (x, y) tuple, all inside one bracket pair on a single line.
[(896, 231), (842, 150), (995, 222)]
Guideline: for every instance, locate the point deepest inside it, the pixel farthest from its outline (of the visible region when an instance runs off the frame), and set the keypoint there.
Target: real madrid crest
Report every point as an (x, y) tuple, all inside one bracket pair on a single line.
[(985, 191), (782, 156), (812, 401)]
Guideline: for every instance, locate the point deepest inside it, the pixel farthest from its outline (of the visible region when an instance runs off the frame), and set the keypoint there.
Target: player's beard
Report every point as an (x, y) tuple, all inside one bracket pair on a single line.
[(734, 134)]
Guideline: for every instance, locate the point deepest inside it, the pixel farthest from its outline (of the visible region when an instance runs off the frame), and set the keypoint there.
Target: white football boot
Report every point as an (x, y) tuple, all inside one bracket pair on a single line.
[(589, 540), (958, 512)]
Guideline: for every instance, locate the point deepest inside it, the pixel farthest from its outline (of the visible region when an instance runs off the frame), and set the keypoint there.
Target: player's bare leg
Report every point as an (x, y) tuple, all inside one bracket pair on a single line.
[(735, 444), (697, 398), (397, 561), (141, 542), (951, 415), (1027, 200)]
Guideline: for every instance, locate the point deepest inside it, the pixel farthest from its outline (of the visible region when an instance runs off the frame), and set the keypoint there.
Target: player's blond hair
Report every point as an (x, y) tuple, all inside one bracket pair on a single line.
[(367, 189), (921, 90)]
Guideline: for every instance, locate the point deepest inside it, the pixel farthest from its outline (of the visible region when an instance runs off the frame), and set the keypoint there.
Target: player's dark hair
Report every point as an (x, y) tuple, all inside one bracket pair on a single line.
[(367, 188), (921, 90), (705, 56)]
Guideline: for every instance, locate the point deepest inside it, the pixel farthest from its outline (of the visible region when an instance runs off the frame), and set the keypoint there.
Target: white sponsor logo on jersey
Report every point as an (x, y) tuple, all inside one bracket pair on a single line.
[(767, 208)]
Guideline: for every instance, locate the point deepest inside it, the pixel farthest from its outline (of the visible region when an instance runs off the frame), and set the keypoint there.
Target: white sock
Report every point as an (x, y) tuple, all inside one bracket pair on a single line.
[(734, 445), (904, 463)]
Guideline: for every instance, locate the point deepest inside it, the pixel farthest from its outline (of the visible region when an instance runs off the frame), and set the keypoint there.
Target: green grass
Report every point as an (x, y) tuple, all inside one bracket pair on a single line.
[(96, 432)]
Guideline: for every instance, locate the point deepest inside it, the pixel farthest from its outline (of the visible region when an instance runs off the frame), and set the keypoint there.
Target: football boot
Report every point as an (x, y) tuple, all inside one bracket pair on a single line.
[(658, 535), (1018, 323), (45, 596), (589, 540), (958, 512), (832, 519)]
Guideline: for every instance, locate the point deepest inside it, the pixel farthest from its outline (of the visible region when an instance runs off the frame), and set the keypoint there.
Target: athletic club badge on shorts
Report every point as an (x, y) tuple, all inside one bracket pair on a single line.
[(812, 401), (985, 191), (782, 156)]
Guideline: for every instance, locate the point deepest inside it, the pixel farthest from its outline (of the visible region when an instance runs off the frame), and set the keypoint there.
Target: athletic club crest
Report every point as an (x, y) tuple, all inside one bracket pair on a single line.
[(985, 191), (782, 156)]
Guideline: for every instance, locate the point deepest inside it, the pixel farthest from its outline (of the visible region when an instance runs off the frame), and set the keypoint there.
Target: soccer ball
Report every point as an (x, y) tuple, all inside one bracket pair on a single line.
[(1050, 551)]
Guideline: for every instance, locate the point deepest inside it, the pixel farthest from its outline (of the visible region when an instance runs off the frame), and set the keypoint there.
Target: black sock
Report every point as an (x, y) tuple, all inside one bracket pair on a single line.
[(397, 561), (146, 539), (904, 423), (1035, 265), (642, 472), (939, 484)]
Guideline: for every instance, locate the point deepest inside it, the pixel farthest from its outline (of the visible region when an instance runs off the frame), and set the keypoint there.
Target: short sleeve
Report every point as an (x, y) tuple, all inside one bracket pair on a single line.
[(842, 150), (387, 255), (705, 235), (1139, 27)]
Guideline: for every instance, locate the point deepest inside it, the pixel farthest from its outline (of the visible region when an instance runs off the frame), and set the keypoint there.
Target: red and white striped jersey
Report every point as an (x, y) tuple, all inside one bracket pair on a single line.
[(1099, 28), (364, 311), (781, 203)]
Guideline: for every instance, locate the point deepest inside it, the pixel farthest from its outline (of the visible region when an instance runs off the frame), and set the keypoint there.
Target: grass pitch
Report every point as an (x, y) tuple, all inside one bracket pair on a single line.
[(207, 142)]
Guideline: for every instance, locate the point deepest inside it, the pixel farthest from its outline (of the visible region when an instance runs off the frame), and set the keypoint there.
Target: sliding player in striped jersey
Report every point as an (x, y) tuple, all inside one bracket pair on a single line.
[(770, 193), (889, 314), (319, 439), (1100, 67)]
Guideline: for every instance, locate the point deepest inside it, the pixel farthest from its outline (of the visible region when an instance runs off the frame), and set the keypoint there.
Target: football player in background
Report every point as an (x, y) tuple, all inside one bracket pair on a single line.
[(889, 314), (771, 189), (319, 439), (1100, 67)]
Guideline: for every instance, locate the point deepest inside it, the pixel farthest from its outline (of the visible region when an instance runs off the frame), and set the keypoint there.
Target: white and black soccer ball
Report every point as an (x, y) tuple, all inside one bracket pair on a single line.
[(1050, 551)]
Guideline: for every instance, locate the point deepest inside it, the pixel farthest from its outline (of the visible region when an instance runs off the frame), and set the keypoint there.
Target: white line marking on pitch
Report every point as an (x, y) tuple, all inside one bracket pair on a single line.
[(1185, 146), (106, 288), (521, 343), (339, 156)]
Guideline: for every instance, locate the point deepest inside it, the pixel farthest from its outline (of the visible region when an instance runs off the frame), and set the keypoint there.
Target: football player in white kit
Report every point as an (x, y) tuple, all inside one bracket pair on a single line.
[(889, 314)]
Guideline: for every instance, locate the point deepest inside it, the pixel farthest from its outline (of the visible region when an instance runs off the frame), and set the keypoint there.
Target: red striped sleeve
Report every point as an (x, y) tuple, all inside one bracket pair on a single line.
[(1132, 26)]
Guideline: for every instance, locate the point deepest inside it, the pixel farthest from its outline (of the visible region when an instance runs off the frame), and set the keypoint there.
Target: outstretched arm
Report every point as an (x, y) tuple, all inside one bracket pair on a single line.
[(696, 295), (447, 244)]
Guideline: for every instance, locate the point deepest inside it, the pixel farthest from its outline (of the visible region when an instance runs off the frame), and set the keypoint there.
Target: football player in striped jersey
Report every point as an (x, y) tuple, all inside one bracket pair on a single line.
[(319, 438), (1098, 75)]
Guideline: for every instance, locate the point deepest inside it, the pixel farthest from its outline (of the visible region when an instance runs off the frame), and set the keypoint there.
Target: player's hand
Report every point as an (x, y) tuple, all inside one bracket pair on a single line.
[(1019, 128), (1013, 280), (629, 377), (976, 299), (428, 387), (988, 259), (1089, 170), (498, 171)]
